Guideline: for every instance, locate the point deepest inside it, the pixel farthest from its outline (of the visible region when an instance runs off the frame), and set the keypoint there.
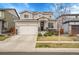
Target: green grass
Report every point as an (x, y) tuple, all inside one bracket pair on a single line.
[(3, 37), (57, 45), (55, 38)]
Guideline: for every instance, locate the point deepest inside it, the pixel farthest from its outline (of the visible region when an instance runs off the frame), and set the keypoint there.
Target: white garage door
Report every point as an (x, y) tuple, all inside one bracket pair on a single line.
[(28, 30)]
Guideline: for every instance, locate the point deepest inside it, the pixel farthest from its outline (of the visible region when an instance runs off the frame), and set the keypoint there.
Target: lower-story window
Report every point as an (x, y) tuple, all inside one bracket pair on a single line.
[(50, 25)]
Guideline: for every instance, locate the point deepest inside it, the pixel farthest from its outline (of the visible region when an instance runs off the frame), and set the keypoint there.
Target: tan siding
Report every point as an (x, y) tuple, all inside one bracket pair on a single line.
[(9, 19)]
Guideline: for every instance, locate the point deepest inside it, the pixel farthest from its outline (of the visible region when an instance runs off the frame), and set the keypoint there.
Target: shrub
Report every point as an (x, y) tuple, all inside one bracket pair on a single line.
[(42, 45), (48, 33), (39, 34), (56, 33), (72, 35), (2, 35)]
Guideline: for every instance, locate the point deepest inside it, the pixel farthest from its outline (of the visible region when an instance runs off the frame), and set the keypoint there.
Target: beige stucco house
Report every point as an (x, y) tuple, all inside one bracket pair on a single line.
[(7, 17), (35, 21)]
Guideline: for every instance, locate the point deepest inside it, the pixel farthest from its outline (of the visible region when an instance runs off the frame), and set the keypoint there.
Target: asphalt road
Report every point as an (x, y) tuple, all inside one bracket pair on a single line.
[(39, 53)]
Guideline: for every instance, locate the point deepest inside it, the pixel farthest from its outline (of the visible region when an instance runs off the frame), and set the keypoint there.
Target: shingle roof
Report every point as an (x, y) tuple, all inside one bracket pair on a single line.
[(68, 15), (70, 21)]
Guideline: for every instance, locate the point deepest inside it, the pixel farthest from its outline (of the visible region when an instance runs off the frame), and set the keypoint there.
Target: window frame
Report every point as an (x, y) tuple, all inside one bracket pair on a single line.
[(50, 25), (26, 16)]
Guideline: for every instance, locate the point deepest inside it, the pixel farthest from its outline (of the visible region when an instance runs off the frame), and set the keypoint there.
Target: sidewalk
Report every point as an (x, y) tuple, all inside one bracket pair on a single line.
[(57, 50)]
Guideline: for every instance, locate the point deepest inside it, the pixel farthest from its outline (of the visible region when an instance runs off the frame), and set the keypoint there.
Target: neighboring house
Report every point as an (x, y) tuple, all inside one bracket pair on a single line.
[(7, 17), (70, 23), (45, 20)]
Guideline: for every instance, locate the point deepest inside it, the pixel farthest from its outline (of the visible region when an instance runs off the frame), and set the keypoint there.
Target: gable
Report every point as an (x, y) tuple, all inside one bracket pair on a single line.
[(29, 14), (43, 18)]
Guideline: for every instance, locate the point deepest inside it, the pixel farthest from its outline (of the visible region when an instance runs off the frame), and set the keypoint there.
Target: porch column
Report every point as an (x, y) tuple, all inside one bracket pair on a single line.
[(0, 27), (39, 28), (45, 25), (70, 29)]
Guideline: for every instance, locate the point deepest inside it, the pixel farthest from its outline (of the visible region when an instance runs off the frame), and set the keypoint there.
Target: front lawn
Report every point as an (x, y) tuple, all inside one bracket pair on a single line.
[(3, 37), (56, 38), (57, 45)]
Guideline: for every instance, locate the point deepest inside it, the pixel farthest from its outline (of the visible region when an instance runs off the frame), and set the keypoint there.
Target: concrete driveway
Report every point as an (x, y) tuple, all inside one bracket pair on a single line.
[(18, 43)]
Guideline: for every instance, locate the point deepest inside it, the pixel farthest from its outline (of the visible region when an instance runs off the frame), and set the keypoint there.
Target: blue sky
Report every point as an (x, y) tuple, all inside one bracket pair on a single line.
[(27, 6), (55, 8)]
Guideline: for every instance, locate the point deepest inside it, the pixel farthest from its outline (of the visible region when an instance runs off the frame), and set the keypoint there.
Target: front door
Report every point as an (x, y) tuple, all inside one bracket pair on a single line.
[(42, 25)]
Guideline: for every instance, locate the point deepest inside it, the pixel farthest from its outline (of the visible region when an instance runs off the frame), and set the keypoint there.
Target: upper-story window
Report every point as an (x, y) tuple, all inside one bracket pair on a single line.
[(26, 16), (1, 14)]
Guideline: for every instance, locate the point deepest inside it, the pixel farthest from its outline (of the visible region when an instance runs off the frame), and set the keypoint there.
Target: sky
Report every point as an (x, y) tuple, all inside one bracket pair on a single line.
[(55, 8)]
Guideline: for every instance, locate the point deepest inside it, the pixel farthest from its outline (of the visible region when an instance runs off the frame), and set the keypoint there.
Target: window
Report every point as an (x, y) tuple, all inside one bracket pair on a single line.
[(50, 25), (5, 24), (50, 16), (26, 16), (1, 14), (40, 15)]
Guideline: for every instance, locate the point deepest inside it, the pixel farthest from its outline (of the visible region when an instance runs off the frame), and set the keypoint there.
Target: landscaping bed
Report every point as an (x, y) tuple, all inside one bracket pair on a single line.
[(53, 36), (57, 45), (56, 38), (3, 37)]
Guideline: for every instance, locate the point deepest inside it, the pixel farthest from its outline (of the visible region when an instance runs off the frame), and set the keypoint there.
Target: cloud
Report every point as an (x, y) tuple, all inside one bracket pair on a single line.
[(74, 9)]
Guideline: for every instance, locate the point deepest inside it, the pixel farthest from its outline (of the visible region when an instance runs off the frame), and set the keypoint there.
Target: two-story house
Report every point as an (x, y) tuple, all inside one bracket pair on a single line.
[(7, 17), (70, 23), (44, 20)]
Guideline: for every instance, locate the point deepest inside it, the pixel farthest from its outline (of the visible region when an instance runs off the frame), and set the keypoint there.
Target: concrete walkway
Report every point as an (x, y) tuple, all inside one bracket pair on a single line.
[(57, 41)]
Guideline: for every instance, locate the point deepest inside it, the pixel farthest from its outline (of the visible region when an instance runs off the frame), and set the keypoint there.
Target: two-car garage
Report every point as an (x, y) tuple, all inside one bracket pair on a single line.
[(27, 27), (28, 30)]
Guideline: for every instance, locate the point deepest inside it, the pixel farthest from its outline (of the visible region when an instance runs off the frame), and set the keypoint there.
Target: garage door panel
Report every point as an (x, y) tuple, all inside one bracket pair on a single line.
[(75, 29), (28, 30)]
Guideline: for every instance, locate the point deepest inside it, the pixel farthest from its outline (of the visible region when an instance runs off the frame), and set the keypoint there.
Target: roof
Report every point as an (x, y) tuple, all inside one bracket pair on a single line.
[(28, 20), (42, 17), (53, 20), (42, 12), (24, 11), (36, 12), (68, 15), (4, 9), (70, 21)]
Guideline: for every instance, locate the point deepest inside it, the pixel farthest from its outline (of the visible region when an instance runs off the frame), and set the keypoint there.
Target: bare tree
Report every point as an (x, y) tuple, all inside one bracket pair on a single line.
[(61, 8)]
